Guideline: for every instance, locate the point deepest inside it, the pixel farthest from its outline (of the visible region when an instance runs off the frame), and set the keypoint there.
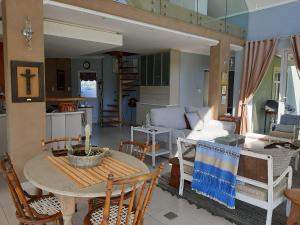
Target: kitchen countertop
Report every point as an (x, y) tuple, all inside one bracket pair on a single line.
[(66, 113)]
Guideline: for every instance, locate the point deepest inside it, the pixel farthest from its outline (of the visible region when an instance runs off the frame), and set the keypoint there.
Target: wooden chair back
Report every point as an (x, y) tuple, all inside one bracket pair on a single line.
[(17, 193), (134, 148), (59, 143), (142, 187)]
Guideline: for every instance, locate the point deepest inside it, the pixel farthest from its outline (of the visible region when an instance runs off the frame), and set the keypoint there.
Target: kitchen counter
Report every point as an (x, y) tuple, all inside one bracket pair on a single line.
[(65, 113)]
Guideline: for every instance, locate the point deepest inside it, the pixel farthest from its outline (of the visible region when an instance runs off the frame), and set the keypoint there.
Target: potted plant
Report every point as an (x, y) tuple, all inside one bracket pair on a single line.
[(85, 156)]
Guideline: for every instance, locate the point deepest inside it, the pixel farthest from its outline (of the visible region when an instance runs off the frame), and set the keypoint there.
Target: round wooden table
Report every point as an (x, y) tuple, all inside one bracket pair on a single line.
[(45, 176)]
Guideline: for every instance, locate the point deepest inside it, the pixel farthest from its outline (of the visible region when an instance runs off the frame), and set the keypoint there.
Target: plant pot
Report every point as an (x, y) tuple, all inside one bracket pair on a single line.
[(79, 159)]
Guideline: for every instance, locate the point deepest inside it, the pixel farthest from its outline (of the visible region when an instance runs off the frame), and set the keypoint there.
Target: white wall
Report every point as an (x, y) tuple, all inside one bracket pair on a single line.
[(192, 83)]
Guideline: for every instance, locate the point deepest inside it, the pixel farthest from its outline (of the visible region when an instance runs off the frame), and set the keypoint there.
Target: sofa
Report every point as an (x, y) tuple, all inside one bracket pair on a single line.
[(179, 119)]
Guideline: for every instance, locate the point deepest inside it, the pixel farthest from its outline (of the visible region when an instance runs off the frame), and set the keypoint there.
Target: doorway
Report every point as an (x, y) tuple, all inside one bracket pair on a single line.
[(289, 91)]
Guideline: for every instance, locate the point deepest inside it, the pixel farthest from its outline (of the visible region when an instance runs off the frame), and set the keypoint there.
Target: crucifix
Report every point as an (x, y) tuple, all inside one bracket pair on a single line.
[(28, 77)]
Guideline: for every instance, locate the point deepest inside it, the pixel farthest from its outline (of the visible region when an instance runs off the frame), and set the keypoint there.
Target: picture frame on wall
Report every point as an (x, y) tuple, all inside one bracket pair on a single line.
[(60, 80), (223, 99), (224, 77), (223, 89), (27, 81)]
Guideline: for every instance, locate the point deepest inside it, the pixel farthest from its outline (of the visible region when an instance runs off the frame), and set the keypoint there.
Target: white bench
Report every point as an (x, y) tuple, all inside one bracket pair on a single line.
[(267, 195)]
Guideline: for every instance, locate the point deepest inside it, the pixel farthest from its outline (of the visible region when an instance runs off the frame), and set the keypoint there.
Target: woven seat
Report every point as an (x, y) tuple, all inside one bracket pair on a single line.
[(97, 215), (46, 205), (116, 212), (30, 209)]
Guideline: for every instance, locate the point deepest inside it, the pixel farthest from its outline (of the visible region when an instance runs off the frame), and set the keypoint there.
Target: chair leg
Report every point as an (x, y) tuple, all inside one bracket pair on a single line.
[(269, 217), (61, 221), (288, 208), (181, 186), (297, 162)]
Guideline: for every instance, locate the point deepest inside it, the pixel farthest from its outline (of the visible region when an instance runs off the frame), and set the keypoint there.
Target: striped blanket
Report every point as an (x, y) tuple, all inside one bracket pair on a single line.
[(215, 172)]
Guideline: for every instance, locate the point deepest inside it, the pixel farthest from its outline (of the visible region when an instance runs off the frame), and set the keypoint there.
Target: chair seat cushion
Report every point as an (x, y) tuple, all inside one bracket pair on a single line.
[(46, 205), (260, 193), (96, 216), (281, 134)]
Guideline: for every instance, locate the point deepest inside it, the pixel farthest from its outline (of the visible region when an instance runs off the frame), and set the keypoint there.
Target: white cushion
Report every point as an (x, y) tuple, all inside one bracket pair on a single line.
[(194, 120), (171, 117), (260, 193)]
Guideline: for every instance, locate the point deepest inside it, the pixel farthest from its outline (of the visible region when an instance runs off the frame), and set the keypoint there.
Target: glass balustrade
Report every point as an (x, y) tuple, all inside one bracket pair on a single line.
[(228, 16)]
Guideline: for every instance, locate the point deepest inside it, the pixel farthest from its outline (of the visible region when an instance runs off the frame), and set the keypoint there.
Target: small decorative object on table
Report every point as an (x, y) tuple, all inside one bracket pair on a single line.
[(85, 156)]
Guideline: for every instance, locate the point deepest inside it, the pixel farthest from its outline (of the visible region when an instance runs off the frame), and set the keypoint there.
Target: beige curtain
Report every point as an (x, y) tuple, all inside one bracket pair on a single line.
[(258, 57), (295, 43)]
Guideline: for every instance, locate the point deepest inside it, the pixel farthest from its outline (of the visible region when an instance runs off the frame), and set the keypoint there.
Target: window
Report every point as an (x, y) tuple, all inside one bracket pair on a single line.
[(276, 84), (88, 84), (88, 89)]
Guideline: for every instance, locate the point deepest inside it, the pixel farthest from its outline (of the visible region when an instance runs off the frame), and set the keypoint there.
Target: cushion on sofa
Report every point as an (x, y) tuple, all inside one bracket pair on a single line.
[(285, 128), (194, 121), (260, 193), (171, 117), (203, 112)]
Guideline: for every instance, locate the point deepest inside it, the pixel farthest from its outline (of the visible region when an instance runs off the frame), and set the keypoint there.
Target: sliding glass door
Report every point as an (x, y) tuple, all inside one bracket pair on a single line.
[(289, 96)]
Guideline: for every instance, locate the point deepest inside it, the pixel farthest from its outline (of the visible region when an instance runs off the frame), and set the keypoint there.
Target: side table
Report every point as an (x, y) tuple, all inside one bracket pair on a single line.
[(152, 131), (234, 119)]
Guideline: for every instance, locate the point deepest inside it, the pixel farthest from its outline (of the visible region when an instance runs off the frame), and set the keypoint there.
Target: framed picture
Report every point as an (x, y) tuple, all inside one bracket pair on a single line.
[(223, 99), (223, 89), (224, 77), (27, 81), (60, 80)]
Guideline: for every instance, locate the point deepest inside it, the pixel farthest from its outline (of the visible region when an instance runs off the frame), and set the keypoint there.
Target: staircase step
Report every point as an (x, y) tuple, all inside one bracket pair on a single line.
[(125, 95), (110, 110), (113, 105), (128, 90), (110, 116)]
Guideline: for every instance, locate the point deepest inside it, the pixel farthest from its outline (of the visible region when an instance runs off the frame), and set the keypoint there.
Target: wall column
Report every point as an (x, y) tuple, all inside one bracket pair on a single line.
[(219, 59), (26, 122)]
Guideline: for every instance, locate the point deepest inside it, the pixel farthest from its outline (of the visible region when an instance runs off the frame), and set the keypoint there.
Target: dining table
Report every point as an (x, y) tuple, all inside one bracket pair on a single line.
[(43, 174)]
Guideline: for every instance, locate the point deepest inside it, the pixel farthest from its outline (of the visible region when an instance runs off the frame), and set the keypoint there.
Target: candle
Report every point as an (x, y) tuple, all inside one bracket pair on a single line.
[(87, 138)]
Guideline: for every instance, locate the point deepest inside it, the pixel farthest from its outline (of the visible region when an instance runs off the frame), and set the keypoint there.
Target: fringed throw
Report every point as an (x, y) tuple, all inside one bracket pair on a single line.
[(215, 171)]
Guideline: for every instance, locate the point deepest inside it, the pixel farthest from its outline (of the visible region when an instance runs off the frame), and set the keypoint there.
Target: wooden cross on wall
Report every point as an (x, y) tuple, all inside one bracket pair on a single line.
[(28, 77)]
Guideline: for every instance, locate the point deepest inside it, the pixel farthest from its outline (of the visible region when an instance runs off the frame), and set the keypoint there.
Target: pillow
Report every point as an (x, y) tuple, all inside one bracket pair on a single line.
[(194, 120), (171, 117), (285, 128)]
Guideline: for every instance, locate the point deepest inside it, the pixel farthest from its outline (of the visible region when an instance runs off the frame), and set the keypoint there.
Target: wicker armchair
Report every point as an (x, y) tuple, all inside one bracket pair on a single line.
[(30, 209), (119, 212), (133, 148)]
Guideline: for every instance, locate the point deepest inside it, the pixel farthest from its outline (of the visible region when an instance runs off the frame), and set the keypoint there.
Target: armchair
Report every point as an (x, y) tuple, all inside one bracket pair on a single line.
[(288, 127)]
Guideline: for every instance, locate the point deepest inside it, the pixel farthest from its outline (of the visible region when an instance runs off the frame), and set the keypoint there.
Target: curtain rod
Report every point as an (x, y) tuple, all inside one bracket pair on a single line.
[(279, 38)]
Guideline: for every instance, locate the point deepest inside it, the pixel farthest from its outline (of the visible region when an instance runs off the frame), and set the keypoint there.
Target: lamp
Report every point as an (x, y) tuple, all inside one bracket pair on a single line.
[(27, 32)]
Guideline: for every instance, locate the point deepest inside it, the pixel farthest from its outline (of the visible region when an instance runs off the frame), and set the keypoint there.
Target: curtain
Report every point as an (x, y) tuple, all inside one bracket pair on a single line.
[(295, 43), (258, 56)]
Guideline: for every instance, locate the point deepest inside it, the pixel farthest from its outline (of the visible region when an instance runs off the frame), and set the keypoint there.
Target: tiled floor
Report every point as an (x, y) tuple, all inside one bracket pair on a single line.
[(162, 202)]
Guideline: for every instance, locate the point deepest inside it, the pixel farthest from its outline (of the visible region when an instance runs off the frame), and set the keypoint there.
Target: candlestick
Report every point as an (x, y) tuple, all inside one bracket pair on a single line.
[(87, 138)]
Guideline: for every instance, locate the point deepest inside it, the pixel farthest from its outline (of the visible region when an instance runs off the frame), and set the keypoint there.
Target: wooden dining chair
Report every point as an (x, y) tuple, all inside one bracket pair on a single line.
[(30, 209), (133, 148), (59, 145), (130, 211)]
